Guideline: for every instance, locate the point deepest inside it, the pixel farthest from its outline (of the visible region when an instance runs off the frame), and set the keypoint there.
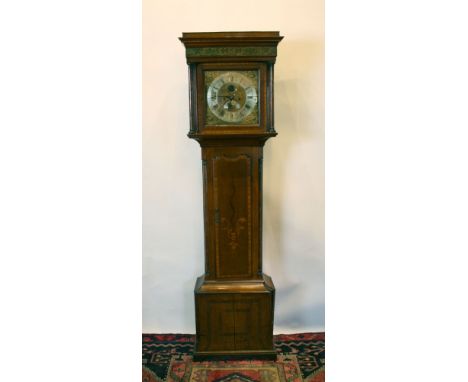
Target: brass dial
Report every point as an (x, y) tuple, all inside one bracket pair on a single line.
[(232, 96)]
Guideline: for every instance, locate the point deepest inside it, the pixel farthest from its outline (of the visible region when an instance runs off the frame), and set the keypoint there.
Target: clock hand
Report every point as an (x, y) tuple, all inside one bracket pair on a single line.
[(230, 98)]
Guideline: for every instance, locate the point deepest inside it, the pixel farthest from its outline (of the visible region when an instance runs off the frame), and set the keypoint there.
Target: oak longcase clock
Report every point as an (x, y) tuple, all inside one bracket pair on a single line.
[(231, 116)]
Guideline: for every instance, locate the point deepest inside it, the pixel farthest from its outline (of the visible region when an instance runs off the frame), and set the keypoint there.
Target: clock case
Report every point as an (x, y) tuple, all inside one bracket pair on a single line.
[(234, 299)]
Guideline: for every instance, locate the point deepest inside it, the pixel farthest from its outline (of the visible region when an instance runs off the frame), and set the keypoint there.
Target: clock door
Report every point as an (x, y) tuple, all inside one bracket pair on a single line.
[(232, 179)]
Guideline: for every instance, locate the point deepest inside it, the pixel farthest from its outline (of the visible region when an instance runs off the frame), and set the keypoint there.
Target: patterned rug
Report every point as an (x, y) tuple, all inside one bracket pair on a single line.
[(168, 358)]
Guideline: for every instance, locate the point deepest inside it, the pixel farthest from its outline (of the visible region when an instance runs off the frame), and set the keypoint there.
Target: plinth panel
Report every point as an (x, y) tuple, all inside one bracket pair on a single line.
[(230, 322)]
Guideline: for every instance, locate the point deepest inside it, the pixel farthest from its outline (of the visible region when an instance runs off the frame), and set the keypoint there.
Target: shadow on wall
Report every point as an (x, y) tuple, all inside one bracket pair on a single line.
[(310, 316), (299, 104)]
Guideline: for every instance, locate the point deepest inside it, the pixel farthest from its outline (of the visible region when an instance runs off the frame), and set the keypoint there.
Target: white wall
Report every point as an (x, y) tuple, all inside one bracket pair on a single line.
[(293, 161)]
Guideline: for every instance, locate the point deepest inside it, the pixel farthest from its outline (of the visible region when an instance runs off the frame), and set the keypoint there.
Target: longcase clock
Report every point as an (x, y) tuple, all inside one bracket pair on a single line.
[(231, 116)]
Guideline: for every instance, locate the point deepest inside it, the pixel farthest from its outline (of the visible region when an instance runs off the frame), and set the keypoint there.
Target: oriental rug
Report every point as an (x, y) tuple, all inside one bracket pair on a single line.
[(168, 358)]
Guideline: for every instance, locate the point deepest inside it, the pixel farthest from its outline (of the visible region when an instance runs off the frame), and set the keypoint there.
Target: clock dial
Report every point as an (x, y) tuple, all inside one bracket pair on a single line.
[(232, 97)]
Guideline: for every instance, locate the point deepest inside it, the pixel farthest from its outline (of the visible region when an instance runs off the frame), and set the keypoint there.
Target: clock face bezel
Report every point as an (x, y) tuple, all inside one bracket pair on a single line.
[(202, 101)]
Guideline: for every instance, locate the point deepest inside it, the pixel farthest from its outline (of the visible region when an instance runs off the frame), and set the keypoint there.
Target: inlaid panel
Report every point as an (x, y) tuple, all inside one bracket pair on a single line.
[(233, 220)]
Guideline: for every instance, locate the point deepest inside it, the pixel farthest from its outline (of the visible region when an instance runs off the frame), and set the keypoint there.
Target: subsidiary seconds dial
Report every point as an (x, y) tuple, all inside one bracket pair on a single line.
[(232, 96)]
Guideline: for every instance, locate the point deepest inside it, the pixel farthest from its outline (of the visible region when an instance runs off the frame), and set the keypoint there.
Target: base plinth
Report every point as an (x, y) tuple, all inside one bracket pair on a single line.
[(234, 319)]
